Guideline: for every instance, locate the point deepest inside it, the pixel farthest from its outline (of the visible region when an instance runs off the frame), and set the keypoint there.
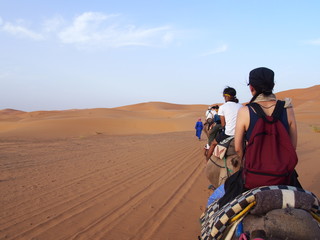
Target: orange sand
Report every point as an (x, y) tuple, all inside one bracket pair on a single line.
[(134, 172)]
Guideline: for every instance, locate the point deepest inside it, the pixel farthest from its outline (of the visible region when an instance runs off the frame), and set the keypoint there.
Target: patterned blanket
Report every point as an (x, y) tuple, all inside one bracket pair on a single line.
[(216, 219)]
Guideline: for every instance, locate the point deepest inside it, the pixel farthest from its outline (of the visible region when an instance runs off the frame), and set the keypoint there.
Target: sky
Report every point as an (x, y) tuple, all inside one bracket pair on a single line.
[(59, 55)]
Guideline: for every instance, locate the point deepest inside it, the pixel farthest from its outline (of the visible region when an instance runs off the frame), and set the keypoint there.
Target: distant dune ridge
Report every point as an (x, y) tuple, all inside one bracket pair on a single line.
[(144, 118), (132, 172)]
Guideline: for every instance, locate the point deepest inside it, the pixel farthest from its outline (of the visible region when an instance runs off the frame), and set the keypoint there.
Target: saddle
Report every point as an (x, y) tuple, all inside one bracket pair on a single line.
[(218, 221), (224, 157), (224, 148)]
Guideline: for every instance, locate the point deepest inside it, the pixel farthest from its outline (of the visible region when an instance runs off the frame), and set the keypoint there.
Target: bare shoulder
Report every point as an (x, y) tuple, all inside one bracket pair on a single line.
[(243, 116), (243, 111)]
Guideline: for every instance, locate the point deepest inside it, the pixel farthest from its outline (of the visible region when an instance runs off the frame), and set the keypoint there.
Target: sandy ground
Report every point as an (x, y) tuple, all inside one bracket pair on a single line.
[(134, 172), (102, 187)]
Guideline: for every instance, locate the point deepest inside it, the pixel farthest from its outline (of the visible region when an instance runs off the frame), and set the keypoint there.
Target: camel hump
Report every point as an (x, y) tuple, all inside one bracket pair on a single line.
[(287, 223)]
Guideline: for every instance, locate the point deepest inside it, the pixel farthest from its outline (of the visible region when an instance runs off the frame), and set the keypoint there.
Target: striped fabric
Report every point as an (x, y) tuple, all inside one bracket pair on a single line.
[(215, 220)]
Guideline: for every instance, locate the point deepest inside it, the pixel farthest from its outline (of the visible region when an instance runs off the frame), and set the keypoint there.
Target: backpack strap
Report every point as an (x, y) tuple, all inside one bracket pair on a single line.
[(257, 108), (278, 109), (276, 114)]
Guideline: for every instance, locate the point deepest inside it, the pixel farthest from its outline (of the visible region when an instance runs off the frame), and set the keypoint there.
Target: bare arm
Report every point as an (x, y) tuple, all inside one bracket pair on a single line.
[(223, 121), (211, 149), (241, 127), (292, 127)]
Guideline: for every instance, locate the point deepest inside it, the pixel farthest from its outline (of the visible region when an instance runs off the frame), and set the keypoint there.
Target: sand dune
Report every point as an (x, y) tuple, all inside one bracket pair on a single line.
[(133, 172), (136, 119)]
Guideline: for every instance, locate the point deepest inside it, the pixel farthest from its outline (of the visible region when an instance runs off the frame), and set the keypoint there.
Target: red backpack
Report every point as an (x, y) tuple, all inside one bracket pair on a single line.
[(270, 157)]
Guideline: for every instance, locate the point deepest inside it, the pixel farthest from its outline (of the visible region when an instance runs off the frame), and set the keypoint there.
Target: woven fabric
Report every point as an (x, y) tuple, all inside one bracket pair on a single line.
[(215, 220), (275, 199)]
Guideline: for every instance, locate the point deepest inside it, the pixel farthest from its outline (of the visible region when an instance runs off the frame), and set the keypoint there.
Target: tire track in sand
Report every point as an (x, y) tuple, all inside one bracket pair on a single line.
[(167, 206), (81, 204), (121, 212)]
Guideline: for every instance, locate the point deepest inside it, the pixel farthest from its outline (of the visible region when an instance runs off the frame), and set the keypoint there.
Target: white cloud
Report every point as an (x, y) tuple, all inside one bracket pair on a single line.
[(83, 28), (168, 37), (92, 28), (314, 42), (53, 24), (220, 49), (21, 31)]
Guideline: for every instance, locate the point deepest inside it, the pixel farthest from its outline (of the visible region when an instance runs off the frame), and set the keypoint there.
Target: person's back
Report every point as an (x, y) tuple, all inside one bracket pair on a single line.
[(261, 86), (268, 108), (210, 113), (229, 111), (216, 117), (270, 157), (261, 83), (228, 115)]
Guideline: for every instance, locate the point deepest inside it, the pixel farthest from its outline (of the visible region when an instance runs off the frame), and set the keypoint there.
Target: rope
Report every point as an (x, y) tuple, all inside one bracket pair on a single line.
[(225, 166), (228, 169), (315, 216), (216, 163), (235, 218)]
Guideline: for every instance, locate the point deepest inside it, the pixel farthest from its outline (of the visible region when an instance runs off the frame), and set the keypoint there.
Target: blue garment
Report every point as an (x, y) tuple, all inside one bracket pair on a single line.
[(216, 119), (217, 194), (199, 127)]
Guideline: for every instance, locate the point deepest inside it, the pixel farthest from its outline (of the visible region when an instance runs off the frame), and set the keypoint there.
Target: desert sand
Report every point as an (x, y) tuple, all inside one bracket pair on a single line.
[(133, 172)]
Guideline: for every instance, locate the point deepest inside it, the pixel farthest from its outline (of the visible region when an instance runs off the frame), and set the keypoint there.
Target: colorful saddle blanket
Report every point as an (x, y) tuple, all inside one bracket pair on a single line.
[(216, 219)]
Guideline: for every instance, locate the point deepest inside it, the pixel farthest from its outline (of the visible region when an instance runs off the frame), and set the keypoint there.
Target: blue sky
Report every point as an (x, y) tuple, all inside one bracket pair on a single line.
[(59, 55)]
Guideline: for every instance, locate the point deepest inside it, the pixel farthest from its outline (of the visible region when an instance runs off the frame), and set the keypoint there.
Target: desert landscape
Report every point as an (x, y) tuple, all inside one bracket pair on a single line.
[(132, 172)]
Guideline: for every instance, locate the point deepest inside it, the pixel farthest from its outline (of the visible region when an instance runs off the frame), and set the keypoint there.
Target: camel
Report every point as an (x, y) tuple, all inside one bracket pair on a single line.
[(206, 126), (218, 170), (273, 212)]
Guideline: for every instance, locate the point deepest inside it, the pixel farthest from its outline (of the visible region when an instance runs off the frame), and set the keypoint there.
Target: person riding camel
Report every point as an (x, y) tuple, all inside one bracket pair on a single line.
[(215, 126), (209, 119), (228, 115), (210, 112), (261, 84), (263, 199)]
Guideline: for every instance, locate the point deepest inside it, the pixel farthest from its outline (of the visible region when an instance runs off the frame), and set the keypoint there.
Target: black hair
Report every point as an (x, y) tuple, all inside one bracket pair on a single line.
[(258, 92), (232, 93), (262, 80)]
